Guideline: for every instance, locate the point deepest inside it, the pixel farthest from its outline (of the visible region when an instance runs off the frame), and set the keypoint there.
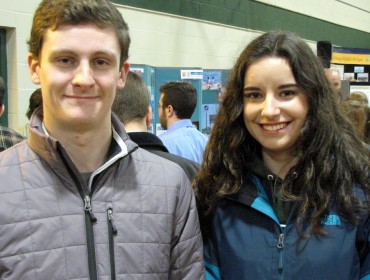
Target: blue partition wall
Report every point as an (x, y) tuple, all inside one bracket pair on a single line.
[(213, 86), (147, 73)]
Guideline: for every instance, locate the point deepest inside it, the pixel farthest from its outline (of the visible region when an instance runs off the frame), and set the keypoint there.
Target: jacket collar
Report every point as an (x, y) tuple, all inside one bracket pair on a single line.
[(52, 151), (147, 141)]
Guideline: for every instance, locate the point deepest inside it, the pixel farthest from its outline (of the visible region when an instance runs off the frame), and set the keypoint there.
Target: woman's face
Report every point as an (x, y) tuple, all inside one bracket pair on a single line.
[(274, 107)]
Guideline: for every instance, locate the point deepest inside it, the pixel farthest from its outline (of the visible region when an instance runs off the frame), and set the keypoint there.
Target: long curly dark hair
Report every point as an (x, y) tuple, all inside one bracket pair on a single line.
[(332, 159)]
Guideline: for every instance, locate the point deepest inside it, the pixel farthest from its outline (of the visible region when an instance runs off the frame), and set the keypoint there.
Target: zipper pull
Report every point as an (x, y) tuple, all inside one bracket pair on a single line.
[(111, 220), (280, 244), (88, 208), (280, 247)]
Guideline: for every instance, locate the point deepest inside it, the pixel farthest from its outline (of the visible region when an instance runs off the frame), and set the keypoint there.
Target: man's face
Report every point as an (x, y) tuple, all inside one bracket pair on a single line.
[(79, 74), (334, 80), (162, 113)]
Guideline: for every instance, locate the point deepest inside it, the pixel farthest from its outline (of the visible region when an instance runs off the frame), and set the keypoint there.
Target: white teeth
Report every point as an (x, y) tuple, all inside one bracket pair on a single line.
[(274, 127)]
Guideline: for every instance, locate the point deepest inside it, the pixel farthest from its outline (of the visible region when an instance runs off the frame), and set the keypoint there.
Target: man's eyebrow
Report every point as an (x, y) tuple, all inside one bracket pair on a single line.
[(69, 51)]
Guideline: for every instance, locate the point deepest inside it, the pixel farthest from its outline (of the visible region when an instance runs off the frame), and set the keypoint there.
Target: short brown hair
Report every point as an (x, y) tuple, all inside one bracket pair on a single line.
[(182, 96), (51, 14), (133, 101)]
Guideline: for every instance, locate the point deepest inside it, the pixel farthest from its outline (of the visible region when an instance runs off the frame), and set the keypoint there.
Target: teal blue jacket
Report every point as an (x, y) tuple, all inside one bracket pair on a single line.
[(248, 242)]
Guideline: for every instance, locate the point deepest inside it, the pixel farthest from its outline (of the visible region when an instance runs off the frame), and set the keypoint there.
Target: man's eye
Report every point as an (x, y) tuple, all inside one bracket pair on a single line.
[(101, 62), (64, 60)]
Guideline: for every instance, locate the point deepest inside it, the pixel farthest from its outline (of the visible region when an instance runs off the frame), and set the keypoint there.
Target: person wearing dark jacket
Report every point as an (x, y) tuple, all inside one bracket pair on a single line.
[(133, 109), (79, 199), (283, 190), (8, 137)]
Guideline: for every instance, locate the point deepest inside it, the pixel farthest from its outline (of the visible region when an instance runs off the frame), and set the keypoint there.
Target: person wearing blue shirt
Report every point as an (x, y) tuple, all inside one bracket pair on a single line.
[(176, 106)]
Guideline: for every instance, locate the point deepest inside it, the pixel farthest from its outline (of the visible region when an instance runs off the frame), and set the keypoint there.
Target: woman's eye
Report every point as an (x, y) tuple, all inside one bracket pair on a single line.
[(253, 96), (287, 93)]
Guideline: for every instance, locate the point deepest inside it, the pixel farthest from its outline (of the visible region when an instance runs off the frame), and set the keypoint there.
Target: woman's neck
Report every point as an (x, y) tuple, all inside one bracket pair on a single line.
[(279, 163)]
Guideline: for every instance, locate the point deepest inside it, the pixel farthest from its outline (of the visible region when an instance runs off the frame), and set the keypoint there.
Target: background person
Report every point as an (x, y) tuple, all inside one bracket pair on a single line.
[(8, 137), (283, 190), (132, 106), (176, 106), (35, 101), (355, 107), (335, 82), (79, 200)]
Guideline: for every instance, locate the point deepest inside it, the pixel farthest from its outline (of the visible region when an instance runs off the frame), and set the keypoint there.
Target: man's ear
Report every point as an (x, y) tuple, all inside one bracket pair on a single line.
[(2, 109), (33, 69), (148, 116), (169, 111), (123, 74)]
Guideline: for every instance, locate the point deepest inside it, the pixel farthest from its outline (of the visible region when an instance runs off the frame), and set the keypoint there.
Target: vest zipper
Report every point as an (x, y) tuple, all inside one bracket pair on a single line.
[(89, 221), (112, 230)]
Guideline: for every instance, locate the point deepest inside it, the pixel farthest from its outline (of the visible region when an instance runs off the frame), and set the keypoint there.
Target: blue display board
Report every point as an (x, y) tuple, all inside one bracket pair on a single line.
[(213, 86)]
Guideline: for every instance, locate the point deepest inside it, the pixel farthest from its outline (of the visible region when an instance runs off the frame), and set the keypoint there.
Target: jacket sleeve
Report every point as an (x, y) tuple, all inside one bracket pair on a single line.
[(187, 246), (363, 248), (363, 235), (211, 261)]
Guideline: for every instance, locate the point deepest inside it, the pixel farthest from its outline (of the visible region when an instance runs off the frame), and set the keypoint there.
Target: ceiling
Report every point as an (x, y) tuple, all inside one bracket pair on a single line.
[(363, 5)]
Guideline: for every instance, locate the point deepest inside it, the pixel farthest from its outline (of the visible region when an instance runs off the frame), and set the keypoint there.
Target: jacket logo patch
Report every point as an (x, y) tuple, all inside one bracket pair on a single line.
[(331, 220)]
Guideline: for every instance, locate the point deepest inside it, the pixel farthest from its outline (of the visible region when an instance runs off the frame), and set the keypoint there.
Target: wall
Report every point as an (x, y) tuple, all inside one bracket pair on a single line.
[(158, 39), (347, 13), (343, 24)]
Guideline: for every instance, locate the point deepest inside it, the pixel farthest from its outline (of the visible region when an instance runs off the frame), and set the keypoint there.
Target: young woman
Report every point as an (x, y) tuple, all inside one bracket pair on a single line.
[(284, 185)]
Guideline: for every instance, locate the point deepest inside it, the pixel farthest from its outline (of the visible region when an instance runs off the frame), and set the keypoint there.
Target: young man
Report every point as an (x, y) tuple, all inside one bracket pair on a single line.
[(133, 109), (80, 201), (176, 106), (8, 137)]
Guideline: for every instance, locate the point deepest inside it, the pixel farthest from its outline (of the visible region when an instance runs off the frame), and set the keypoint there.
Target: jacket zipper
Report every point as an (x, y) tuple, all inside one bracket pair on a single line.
[(280, 247), (89, 221), (112, 230), (89, 218), (280, 231)]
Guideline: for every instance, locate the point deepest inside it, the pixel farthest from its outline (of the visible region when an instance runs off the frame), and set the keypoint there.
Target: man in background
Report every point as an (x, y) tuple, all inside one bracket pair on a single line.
[(132, 106), (8, 137), (176, 106), (333, 77), (35, 101)]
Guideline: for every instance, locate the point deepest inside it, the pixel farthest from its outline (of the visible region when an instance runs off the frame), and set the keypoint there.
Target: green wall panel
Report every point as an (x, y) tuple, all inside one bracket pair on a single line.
[(257, 16), (3, 74)]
